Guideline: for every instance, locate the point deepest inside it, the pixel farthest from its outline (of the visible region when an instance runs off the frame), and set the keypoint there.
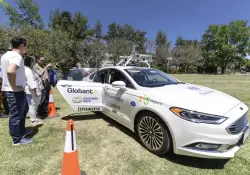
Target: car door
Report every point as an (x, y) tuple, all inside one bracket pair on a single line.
[(82, 95), (118, 100)]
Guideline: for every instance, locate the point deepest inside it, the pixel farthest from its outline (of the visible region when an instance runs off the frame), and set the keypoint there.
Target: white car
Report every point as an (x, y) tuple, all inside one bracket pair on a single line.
[(166, 114)]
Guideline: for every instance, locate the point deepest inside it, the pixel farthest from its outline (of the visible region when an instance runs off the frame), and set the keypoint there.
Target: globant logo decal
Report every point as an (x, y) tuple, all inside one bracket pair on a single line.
[(81, 91), (77, 100)]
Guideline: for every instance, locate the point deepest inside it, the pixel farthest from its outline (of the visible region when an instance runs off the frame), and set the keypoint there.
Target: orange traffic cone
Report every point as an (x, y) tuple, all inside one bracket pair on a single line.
[(52, 106), (70, 164)]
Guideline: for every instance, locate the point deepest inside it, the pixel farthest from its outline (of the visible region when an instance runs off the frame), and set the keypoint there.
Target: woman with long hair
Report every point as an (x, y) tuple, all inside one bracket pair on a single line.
[(33, 90)]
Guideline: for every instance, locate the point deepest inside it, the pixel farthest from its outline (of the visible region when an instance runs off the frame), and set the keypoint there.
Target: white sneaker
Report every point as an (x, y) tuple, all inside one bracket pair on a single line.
[(37, 122), (23, 141)]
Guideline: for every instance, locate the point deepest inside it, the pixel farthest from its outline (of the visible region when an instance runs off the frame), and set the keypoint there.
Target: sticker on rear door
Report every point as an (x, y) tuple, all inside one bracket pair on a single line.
[(88, 109)]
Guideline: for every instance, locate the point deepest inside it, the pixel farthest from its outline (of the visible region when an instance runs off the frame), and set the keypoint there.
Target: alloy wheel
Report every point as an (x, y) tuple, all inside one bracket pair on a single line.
[(151, 133)]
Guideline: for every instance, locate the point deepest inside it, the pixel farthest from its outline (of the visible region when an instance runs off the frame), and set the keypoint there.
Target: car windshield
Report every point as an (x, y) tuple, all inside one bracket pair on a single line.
[(151, 77)]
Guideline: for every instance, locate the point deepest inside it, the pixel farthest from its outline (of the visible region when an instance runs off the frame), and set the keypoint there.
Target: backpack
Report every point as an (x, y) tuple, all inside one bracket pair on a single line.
[(52, 77)]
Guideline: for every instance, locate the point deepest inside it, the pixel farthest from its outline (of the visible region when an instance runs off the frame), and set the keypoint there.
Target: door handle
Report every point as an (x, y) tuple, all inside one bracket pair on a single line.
[(66, 85)]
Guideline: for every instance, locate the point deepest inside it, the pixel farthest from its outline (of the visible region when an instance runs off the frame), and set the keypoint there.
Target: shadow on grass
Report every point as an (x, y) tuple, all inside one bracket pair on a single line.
[(35, 130), (178, 159), (79, 117), (197, 162), (98, 115)]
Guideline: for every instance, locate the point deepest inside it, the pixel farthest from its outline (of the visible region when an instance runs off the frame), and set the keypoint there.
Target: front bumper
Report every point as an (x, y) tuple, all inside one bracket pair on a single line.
[(215, 148), (211, 141)]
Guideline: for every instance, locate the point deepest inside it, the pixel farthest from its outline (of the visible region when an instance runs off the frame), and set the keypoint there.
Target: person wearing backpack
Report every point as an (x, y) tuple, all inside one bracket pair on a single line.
[(52, 77), (42, 71)]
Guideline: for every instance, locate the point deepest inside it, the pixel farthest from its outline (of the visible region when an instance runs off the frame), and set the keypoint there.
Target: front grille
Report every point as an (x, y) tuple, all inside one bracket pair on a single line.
[(239, 125)]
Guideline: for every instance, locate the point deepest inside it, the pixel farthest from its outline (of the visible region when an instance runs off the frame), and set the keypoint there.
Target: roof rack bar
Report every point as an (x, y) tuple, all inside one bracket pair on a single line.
[(143, 58), (131, 57)]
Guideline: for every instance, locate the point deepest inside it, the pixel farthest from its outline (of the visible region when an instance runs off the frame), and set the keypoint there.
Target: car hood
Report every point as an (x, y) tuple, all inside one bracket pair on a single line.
[(194, 97)]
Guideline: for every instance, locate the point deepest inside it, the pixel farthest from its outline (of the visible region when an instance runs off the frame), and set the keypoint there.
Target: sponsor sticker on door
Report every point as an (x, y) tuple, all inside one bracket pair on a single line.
[(77, 100), (89, 109), (89, 99)]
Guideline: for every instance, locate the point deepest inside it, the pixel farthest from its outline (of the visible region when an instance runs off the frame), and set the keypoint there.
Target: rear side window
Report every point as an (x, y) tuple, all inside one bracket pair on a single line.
[(75, 75)]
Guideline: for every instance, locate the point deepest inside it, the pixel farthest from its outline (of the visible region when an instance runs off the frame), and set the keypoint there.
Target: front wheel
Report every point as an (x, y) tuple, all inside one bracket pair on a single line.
[(153, 134)]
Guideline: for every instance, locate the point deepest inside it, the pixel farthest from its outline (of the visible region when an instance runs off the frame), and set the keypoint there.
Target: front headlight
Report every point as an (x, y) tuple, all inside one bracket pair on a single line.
[(197, 117)]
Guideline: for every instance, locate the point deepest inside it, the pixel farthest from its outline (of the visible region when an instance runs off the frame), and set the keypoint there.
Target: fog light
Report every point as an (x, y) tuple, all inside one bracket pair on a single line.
[(204, 146), (210, 147), (207, 146)]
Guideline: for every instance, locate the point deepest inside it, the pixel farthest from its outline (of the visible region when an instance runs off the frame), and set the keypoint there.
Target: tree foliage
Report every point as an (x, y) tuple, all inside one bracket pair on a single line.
[(69, 39), (118, 47), (224, 44), (163, 50), (127, 32), (26, 13)]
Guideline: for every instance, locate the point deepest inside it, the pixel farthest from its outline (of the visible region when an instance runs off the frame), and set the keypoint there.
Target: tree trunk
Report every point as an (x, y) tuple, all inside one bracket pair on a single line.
[(223, 69)]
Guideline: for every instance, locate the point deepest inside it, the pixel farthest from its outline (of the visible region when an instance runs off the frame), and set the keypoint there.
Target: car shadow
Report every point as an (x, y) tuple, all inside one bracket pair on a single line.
[(178, 159), (79, 117), (35, 130), (196, 162), (98, 115)]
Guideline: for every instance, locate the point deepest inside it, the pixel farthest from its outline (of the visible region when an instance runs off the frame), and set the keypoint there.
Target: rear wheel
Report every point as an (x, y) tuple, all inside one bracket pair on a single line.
[(153, 133)]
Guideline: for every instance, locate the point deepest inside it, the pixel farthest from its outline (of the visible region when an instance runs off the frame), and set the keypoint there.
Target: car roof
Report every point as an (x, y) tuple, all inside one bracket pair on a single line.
[(124, 67), (82, 68)]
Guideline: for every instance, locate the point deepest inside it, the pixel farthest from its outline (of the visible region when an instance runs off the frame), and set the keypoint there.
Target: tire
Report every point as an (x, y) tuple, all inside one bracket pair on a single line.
[(156, 139)]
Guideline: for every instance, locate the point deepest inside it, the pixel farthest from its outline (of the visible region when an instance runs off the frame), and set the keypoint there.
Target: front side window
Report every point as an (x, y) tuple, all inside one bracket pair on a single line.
[(116, 75), (151, 77), (101, 76)]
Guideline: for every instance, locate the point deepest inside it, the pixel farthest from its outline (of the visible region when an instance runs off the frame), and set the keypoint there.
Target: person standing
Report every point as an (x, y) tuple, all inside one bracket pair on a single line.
[(5, 103), (33, 90), (13, 85), (78, 66), (41, 70)]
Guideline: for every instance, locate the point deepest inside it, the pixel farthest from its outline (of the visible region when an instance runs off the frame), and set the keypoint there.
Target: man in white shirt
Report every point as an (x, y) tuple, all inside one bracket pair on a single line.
[(12, 65)]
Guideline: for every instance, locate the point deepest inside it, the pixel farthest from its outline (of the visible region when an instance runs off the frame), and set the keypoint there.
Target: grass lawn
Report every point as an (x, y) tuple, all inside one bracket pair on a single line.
[(106, 147)]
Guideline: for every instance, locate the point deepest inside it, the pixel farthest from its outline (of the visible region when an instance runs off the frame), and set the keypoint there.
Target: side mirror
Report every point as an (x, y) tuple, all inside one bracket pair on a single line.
[(119, 84)]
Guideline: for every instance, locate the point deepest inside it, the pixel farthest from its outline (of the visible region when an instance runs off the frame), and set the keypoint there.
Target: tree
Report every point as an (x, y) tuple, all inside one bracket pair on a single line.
[(161, 39), (76, 27), (118, 47), (127, 32), (224, 44), (98, 30), (150, 46), (187, 53), (4, 39), (139, 39), (113, 32), (58, 49), (27, 13), (163, 50)]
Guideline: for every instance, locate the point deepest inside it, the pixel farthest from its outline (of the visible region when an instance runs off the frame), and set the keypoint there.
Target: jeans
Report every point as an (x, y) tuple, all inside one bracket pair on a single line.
[(33, 101), (44, 103), (5, 105), (18, 108)]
